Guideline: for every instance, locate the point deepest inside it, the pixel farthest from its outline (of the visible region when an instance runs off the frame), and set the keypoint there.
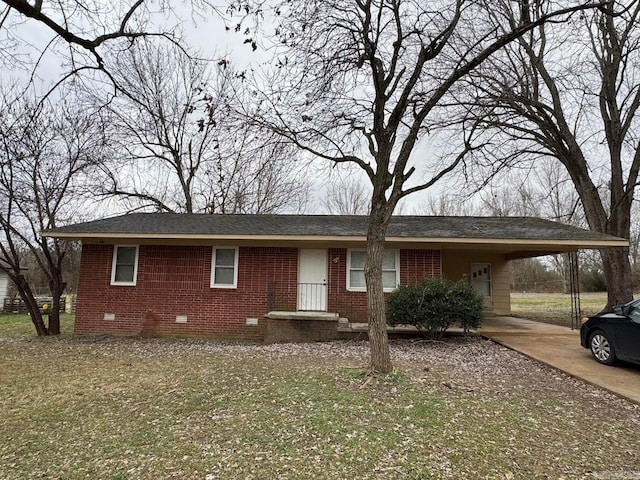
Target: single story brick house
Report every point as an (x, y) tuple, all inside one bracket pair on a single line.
[(285, 277)]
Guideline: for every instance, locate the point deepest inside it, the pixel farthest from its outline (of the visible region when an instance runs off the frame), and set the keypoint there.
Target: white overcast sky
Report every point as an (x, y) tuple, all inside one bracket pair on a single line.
[(208, 36)]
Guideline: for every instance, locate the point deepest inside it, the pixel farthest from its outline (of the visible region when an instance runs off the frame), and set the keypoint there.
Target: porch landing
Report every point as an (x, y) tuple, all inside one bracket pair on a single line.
[(296, 327), (326, 316)]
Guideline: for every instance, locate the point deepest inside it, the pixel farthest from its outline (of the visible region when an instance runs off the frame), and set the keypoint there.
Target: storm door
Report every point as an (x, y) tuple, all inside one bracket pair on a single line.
[(312, 280), (481, 281)]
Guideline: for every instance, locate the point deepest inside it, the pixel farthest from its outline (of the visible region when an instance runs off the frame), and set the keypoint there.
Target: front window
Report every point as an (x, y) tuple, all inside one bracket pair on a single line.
[(124, 269), (355, 270), (224, 267)]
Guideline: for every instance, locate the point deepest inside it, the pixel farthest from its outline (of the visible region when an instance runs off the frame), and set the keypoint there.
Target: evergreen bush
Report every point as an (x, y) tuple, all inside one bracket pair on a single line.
[(433, 305)]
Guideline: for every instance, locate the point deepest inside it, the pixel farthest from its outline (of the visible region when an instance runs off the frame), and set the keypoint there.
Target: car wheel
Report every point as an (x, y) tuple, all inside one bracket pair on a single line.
[(602, 348)]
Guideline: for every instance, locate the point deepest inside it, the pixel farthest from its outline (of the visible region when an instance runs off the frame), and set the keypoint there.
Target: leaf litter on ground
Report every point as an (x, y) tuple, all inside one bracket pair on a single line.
[(462, 407)]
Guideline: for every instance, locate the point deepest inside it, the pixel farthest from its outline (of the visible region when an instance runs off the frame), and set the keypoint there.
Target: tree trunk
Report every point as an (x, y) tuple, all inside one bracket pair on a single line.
[(54, 318), (617, 275), (380, 361), (32, 305), (615, 261), (57, 288)]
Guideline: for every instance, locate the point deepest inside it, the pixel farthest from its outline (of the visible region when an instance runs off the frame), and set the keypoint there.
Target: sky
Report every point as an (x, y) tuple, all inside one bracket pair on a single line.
[(207, 35)]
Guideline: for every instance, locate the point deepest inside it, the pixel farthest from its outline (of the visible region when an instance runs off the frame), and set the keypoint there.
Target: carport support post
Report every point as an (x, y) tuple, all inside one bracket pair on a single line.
[(574, 281)]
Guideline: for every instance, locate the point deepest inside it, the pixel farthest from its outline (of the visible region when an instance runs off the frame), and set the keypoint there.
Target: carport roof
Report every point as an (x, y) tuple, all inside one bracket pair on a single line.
[(526, 232)]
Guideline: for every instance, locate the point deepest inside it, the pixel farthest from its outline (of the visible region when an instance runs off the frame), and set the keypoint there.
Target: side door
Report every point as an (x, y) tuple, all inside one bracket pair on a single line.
[(481, 282)]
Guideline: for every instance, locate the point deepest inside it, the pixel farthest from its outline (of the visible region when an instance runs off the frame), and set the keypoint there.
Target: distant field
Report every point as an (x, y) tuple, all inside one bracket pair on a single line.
[(554, 307)]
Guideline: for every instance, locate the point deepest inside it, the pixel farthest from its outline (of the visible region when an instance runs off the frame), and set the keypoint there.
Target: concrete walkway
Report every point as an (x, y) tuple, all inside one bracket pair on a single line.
[(560, 348)]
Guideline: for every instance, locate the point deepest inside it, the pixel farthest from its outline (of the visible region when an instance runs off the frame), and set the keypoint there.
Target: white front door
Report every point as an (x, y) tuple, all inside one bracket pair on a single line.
[(312, 280), (481, 281)]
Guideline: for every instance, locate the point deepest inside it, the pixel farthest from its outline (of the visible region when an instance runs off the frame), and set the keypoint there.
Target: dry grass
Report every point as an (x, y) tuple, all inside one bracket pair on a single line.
[(158, 409), (554, 307), (20, 326)]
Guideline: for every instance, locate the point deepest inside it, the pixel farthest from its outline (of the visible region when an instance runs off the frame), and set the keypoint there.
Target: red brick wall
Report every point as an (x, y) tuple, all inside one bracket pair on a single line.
[(417, 264), (175, 280), (414, 266)]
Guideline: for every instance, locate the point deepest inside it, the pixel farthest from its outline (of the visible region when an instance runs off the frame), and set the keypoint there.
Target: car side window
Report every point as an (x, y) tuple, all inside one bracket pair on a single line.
[(634, 314)]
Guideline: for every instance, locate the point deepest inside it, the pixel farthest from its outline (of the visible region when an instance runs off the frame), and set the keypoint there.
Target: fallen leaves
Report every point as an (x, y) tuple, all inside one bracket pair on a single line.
[(152, 408)]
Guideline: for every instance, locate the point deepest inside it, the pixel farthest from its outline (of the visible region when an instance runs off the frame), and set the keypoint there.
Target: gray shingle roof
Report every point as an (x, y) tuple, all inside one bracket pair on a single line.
[(175, 225)]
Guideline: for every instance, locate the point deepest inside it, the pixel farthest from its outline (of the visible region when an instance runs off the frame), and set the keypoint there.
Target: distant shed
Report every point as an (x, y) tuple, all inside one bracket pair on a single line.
[(4, 287)]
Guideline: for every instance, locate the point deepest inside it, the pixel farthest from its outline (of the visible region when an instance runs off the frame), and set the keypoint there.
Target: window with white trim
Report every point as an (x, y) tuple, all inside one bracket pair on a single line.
[(124, 269), (224, 267), (355, 270)]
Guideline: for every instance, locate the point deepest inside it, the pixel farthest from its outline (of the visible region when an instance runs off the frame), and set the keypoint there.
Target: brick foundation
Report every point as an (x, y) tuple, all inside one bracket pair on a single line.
[(300, 330)]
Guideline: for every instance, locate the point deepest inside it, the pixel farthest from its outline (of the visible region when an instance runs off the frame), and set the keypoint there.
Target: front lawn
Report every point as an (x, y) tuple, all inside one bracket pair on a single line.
[(87, 408)]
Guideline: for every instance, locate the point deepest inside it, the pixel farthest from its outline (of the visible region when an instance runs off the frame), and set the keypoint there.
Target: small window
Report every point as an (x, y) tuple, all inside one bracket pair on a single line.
[(124, 269), (224, 267), (355, 270)]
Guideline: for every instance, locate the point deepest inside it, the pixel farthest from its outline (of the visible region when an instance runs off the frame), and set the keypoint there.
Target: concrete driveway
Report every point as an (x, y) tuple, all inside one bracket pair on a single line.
[(560, 348)]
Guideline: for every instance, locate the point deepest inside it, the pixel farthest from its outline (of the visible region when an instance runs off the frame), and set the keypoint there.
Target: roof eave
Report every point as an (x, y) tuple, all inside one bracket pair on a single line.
[(550, 244)]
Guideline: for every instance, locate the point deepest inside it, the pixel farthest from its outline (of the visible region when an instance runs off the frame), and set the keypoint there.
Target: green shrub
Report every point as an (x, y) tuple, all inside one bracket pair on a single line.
[(466, 305), (433, 305)]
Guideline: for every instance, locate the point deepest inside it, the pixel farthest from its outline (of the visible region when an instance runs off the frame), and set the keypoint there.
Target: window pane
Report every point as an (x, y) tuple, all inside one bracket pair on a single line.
[(356, 279), (126, 256), (225, 257), (389, 279), (389, 260), (357, 259), (124, 273), (481, 287), (223, 276)]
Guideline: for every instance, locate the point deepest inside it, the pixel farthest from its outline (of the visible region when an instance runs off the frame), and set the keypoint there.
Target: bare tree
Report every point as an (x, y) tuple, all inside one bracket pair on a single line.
[(46, 154), (88, 29), (515, 200), (346, 195), (447, 205), (572, 94), (542, 191), (558, 200), (176, 147), (360, 82), (556, 195)]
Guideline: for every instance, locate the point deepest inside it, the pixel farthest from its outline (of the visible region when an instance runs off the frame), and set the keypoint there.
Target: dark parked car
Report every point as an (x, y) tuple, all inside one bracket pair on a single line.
[(613, 335)]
